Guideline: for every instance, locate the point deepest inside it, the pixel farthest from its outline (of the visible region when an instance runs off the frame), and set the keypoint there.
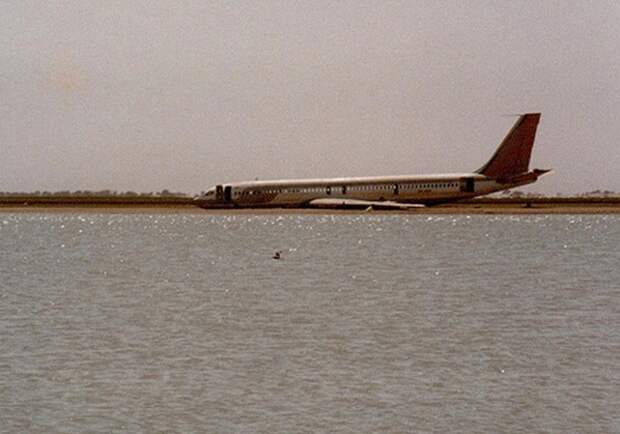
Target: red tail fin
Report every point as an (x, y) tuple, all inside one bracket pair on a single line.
[(512, 157)]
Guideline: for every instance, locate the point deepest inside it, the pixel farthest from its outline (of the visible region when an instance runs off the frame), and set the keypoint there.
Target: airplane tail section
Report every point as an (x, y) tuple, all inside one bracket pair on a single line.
[(512, 157)]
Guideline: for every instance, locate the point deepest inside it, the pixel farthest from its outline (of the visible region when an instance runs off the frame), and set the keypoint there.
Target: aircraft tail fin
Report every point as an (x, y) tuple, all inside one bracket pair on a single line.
[(512, 157)]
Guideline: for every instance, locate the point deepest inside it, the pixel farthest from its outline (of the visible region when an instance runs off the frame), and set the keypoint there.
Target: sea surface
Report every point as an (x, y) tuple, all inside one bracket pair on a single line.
[(140, 323)]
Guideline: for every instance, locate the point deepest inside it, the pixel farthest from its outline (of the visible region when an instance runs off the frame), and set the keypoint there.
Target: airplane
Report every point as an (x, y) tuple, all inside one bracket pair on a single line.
[(507, 168)]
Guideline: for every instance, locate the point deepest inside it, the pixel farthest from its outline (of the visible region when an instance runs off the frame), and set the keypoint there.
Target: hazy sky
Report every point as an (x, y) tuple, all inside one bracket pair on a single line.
[(146, 95)]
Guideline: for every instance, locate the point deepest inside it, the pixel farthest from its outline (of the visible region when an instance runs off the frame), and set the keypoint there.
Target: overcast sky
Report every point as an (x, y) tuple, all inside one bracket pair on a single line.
[(153, 94)]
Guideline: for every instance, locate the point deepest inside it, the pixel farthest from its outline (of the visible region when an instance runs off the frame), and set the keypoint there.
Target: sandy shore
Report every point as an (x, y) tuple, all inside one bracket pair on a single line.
[(585, 208)]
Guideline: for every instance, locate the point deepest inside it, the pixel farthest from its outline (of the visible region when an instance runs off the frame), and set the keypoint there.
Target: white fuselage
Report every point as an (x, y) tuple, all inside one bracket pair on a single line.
[(422, 189)]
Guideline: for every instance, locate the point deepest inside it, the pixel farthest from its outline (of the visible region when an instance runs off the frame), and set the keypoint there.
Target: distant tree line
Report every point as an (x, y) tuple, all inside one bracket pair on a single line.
[(100, 193), (600, 193), (516, 194)]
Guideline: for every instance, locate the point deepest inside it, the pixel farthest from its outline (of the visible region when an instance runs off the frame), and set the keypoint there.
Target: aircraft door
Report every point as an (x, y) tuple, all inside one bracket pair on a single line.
[(228, 194), (219, 193), (467, 185)]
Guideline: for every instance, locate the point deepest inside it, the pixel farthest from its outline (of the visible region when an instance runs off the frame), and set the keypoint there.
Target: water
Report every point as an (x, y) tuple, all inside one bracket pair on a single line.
[(116, 323)]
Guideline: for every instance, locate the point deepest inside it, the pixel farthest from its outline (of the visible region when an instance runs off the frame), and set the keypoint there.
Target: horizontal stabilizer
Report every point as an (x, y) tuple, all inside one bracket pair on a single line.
[(361, 204), (528, 177)]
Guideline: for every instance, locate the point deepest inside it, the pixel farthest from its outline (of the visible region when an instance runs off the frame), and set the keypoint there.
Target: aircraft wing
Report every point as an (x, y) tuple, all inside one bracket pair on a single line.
[(361, 204)]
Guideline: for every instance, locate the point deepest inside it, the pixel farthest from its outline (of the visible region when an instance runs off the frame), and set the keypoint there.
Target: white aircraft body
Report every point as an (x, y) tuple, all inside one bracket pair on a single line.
[(507, 168)]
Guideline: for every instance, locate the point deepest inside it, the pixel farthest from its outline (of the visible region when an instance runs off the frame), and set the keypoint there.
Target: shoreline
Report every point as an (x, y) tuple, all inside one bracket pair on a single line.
[(454, 208)]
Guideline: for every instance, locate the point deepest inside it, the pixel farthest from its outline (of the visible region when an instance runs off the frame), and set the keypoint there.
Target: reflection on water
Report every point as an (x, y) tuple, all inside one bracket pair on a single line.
[(185, 323)]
